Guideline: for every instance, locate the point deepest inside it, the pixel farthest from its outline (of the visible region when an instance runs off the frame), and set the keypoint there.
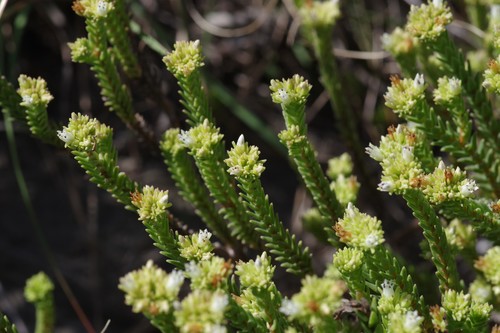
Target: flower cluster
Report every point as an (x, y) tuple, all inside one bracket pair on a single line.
[(491, 76), (348, 259), (151, 203), (83, 133), (318, 298), (290, 91), (171, 142), (209, 274), (243, 160), (428, 22), (256, 273), (404, 94), (344, 185), (399, 43), (185, 58), (202, 311), (460, 236), (320, 14), (359, 230), (196, 246), (150, 290), (489, 264), (93, 9), (81, 51), (38, 288), (34, 92), (202, 139), (461, 308), (447, 91)]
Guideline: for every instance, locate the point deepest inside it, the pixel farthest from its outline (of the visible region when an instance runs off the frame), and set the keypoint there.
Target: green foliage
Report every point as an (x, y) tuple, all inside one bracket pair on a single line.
[(6, 326), (229, 292)]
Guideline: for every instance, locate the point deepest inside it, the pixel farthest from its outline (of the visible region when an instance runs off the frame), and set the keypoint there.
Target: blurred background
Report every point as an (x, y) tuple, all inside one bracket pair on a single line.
[(91, 239)]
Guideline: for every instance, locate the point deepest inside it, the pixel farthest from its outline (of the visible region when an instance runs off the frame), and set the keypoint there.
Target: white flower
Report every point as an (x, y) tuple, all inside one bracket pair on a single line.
[(164, 199), (102, 8), (65, 136), (27, 100), (441, 165), (185, 138), (289, 307), (192, 269), (235, 170), (372, 240), (219, 303), (437, 3), (412, 320), (469, 187), (283, 95), (386, 186), (204, 235), (495, 12), (455, 85), (388, 288), (407, 152), (175, 280), (350, 211), (419, 81), (215, 329), (241, 140), (374, 152)]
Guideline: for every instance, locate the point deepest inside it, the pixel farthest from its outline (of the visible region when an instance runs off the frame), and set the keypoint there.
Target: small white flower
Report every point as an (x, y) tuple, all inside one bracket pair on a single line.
[(388, 288), (469, 187), (27, 100), (215, 329), (175, 280), (374, 152), (412, 320), (127, 283), (185, 138), (455, 85), (372, 240), (289, 307), (419, 81), (483, 293), (386, 186), (192, 269), (283, 95), (386, 40), (441, 165), (407, 152), (204, 236), (235, 170), (495, 12), (219, 303), (102, 8), (350, 211), (65, 136), (437, 3), (164, 199), (241, 140)]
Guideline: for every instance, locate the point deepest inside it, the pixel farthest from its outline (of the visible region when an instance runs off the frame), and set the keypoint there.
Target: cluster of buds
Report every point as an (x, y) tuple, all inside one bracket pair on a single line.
[(489, 265), (197, 246), (428, 22), (460, 236), (404, 94), (202, 311), (83, 133), (461, 307), (243, 160), (320, 14), (185, 59), (211, 274), (150, 290), (399, 43), (202, 139), (256, 273), (38, 288), (447, 91), (34, 92), (492, 76), (92, 9), (345, 185), (151, 203), (318, 299), (359, 230)]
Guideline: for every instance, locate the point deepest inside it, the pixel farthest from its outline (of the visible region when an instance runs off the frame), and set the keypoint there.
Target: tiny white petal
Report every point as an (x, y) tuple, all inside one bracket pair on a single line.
[(469, 187), (441, 165), (374, 152), (219, 303), (419, 81), (372, 240), (283, 95), (412, 320), (175, 280), (385, 186), (388, 288), (241, 140), (27, 100), (65, 136), (437, 3), (350, 211), (102, 8), (407, 153), (204, 235), (164, 199), (289, 307)]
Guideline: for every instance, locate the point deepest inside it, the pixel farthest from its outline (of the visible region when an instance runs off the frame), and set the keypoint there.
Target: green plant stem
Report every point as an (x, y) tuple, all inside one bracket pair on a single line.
[(45, 315), (195, 192), (217, 180), (304, 157), (434, 234), (279, 241)]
